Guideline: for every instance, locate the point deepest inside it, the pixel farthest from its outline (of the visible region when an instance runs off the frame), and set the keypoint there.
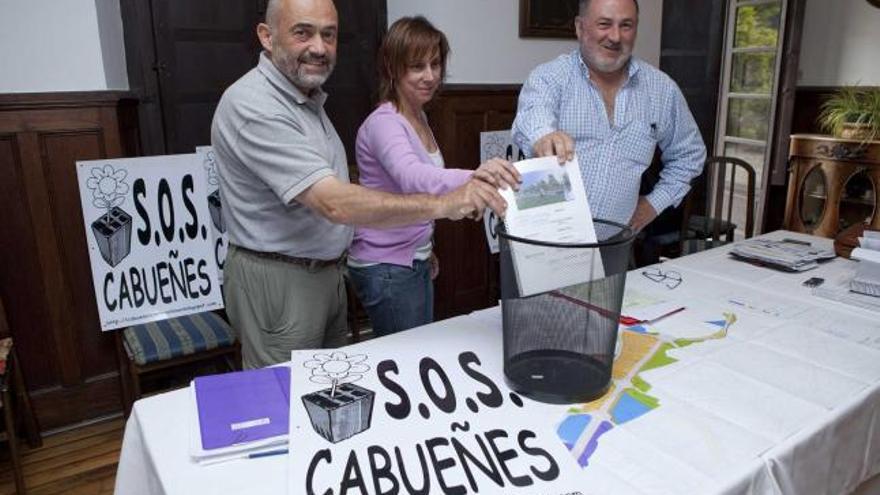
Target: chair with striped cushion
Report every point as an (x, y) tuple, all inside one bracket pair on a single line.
[(162, 345)]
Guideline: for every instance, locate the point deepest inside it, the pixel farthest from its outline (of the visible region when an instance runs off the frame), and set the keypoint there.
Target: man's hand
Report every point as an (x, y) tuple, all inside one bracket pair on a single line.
[(435, 265), (643, 215), (499, 173), (556, 143), (470, 200)]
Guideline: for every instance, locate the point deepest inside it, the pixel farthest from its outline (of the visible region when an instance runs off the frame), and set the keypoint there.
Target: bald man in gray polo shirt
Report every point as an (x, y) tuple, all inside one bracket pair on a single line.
[(286, 193)]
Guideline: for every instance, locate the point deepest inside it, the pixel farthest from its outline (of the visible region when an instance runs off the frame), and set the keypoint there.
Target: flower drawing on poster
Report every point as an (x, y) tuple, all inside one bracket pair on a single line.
[(112, 230), (344, 409), (108, 186)]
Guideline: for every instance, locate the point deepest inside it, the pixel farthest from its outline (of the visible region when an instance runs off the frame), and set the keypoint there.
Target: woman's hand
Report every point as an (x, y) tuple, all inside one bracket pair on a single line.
[(499, 173)]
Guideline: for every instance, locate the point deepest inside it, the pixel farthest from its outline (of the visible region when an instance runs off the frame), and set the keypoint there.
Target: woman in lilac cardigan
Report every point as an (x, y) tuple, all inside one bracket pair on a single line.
[(392, 269)]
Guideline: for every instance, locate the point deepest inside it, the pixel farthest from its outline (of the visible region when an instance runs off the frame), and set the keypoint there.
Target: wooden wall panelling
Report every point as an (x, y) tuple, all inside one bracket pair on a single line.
[(59, 151), (69, 364), (17, 283), (468, 272), (56, 297)]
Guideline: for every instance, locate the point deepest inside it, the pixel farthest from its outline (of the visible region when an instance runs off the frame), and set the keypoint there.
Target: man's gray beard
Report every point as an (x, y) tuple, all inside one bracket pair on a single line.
[(607, 68), (309, 81), (298, 76)]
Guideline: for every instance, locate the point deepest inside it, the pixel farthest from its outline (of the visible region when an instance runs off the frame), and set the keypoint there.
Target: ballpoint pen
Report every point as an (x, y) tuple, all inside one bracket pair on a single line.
[(630, 321), (268, 453)]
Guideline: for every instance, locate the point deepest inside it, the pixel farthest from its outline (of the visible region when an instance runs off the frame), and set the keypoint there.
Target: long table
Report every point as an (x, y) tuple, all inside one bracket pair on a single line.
[(783, 396)]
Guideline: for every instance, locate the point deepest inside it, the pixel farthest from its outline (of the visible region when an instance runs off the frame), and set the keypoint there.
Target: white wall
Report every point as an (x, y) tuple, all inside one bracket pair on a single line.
[(77, 45), (841, 44), (485, 43), (52, 45)]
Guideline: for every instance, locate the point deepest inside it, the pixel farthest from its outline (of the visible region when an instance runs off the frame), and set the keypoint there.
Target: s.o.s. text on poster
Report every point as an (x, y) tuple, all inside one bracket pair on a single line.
[(407, 422)]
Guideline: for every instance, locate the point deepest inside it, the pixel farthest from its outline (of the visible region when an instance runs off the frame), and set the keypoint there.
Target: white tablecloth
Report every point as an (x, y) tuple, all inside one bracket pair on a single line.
[(788, 402)]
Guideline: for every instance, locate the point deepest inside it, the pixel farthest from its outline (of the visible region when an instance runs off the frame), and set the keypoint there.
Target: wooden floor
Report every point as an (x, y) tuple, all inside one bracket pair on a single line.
[(79, 462)]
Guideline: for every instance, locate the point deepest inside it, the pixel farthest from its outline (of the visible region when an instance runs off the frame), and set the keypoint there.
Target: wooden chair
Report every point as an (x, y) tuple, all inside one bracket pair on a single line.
[(165, 345), (15, 402), (717, 223)]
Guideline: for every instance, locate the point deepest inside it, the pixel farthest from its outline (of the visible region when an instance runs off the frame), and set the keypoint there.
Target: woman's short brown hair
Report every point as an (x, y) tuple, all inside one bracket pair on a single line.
[(408, 40)]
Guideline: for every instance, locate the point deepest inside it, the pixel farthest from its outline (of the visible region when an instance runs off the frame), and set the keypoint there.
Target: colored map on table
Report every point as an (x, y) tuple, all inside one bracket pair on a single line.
[(628, 396)]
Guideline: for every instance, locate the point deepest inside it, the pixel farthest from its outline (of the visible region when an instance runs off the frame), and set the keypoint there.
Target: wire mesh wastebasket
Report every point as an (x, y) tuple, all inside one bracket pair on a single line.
[(559, 344)]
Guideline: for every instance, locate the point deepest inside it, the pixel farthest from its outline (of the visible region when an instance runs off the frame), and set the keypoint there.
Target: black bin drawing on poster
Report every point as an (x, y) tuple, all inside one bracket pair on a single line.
[(112, 233), (340, 415), (216, 209)]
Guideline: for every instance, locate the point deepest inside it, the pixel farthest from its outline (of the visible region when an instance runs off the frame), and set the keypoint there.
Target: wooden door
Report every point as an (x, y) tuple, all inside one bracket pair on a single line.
[(353, 86), (182, 55), (468, 271), (201, 48), (691, 48)]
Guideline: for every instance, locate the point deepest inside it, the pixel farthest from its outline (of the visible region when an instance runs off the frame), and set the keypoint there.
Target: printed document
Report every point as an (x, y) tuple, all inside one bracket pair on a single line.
[(551, 206)]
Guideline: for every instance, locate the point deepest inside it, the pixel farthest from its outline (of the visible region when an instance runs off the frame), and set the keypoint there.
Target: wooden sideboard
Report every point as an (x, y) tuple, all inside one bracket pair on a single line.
[(833, 183)]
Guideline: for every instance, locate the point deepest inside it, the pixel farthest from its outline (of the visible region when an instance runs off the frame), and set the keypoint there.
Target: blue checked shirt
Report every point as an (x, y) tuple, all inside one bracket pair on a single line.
[(649, 111)]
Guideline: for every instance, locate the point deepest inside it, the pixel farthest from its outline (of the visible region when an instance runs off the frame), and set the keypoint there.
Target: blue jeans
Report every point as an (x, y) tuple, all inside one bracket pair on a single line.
[(396, 297)]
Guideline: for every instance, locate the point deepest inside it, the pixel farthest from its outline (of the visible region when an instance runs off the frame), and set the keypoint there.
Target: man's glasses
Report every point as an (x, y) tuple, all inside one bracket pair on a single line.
[(670, 278)]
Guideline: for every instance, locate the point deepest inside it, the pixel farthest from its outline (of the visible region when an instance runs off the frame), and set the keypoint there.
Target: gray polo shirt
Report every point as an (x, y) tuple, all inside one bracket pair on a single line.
[(272, 142)]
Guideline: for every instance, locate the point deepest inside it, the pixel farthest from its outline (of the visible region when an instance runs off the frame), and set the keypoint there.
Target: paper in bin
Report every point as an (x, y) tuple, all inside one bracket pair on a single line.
[(551, 206)]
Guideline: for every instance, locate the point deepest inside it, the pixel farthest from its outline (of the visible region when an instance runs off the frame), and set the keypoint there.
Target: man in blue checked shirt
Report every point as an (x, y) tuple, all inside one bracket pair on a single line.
[(612, 110)]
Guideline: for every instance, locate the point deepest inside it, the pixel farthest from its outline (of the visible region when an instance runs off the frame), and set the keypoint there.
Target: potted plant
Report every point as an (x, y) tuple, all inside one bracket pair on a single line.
[(852, 112)]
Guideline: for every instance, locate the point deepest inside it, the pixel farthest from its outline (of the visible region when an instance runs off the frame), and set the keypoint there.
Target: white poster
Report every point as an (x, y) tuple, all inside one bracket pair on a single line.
[(499, 144), (490, 223), (496, 144), (215, 207), (382, 419), (148, 232)]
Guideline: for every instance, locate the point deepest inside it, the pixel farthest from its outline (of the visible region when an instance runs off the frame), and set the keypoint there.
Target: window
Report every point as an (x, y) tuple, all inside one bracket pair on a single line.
[(747, 102)]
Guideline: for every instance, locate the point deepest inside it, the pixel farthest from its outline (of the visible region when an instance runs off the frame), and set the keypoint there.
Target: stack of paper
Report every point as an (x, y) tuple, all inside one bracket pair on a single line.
[(785, 254), (867, 277), (240, 415)]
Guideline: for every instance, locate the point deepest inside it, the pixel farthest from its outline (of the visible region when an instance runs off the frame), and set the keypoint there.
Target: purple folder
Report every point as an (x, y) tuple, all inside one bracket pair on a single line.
[(243, 406)]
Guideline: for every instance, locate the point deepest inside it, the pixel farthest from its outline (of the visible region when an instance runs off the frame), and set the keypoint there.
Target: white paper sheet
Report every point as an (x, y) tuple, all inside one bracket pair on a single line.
[(551, 206), (649, 470), (794, 375), (645, 307), (765, 304), (863, 254), (704, 441), (751, 404), (869, 243), (822, 349), (844, 325)]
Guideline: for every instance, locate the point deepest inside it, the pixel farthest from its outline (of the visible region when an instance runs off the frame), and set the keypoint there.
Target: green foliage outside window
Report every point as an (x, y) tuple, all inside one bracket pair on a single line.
[(757, 26), (753, 67)]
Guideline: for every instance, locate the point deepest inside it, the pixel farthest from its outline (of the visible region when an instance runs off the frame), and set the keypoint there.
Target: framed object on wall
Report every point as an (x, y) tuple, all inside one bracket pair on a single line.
[(547, 18)]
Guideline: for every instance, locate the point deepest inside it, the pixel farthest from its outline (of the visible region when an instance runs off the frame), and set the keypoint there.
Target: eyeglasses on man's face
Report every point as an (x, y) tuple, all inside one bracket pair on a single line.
[(670, 278)]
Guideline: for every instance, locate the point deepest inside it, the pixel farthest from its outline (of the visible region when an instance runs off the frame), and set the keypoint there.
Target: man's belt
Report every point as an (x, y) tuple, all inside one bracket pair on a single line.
[(309, 263)]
